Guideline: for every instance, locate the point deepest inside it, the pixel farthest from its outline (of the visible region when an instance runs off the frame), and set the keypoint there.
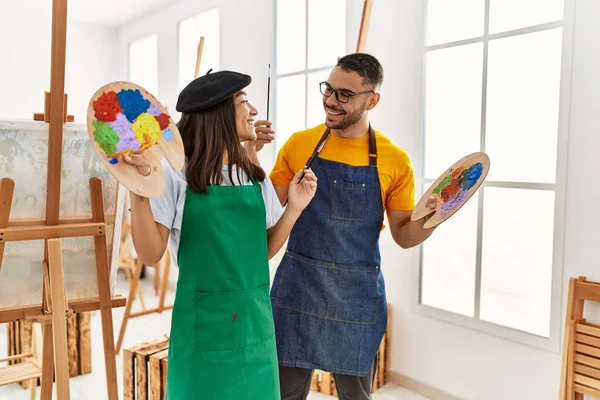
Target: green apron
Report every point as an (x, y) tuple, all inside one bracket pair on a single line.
[(222, 342)]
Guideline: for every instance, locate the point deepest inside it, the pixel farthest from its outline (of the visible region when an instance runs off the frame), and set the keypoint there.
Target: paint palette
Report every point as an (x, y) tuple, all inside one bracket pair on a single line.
[(124, 118), (453, 189)]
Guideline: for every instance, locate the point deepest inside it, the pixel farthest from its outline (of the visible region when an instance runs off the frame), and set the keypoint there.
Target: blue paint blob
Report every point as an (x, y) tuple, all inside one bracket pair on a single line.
[(168, 134), (133, 103), (113, 160), (470, 176)]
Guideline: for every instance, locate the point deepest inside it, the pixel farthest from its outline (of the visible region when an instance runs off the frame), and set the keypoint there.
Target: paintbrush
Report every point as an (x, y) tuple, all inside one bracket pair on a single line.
[(310, 160), (268, 91)]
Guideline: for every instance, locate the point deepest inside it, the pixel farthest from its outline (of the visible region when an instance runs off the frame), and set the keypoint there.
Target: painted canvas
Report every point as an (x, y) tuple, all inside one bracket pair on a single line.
[(453, 188), (24, 158)]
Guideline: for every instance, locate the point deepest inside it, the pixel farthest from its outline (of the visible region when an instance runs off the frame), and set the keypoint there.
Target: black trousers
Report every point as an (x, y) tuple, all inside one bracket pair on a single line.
[(295, 384)]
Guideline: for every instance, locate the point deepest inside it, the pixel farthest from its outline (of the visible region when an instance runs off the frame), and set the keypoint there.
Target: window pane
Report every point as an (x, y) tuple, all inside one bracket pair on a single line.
[(205, 24), (449, 256), (453, 106), (522, 107), (517, 258), (188, 44), (291, 36), (143, 63), (452, 20), (150, 68), (326, 32), (135, 62), (315, 112), (514, 14), (290, 107)]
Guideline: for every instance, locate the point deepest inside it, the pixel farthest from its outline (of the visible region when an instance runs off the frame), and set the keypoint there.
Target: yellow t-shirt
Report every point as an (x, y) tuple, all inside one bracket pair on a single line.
[(396, 174)]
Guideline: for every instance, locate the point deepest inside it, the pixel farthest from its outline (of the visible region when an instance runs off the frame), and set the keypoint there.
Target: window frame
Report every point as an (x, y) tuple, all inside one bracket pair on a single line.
[(553, 342), (195, 16), (306, 72)]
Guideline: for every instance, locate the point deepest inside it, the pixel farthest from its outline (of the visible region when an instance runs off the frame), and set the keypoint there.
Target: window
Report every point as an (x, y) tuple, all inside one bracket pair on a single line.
[(143, 63), (311, 35), (493, 71), (191, 29)]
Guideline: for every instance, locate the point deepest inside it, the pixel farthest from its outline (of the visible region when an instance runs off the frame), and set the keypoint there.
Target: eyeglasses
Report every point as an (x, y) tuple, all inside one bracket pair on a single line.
[(342, 97)]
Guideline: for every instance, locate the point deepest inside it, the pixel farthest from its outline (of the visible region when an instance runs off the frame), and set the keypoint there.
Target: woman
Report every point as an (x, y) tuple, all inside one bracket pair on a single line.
[(223, 222)]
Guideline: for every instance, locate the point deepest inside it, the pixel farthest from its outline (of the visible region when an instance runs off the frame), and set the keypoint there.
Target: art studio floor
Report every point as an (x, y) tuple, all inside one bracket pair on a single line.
[(141, 329)]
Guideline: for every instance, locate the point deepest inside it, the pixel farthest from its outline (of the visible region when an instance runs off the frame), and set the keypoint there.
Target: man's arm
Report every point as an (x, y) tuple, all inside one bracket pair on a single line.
[(407, 233), (282, 193)]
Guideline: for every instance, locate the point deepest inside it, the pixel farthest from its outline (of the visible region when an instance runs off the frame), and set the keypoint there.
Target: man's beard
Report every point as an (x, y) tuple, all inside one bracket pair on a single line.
[(348, 120)]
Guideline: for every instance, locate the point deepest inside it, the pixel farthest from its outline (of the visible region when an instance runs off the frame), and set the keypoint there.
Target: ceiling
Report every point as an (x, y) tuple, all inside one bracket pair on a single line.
[(104, 12)]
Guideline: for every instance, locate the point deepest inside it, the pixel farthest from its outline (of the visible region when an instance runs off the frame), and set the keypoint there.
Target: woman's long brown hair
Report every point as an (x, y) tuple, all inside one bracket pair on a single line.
[(206, 136)]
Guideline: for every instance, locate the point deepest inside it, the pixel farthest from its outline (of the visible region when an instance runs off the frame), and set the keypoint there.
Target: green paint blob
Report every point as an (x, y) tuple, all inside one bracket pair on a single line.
[(106, 137), (443, 184)]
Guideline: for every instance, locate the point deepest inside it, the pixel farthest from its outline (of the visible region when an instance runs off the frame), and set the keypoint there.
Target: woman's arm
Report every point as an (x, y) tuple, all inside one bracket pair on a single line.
[(278, 233), (149, 237), (300, 194)]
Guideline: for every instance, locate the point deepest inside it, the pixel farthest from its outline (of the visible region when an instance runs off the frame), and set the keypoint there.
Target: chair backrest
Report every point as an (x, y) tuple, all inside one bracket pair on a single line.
[(584, 359), (581, 351)]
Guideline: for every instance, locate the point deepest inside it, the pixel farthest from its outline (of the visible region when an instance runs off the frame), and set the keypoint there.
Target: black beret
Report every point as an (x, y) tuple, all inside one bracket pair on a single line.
[(211, 89)]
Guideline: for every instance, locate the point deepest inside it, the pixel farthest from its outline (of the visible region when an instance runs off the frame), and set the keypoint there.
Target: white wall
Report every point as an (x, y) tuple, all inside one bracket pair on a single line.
[(25, 40), (462, 362), (164, 23), (246, 36)]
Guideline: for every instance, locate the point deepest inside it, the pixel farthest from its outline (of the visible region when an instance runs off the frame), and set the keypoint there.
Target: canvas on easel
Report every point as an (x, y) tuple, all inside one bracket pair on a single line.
[(24, 158)]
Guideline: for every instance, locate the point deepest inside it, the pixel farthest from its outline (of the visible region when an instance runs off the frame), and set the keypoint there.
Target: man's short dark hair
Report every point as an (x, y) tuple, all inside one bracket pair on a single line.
[(365, 65)]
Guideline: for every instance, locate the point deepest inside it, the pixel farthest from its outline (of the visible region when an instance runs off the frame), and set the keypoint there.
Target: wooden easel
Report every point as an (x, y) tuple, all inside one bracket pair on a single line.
[(45, 116), (364, 26), (54, 308), (199, 56)]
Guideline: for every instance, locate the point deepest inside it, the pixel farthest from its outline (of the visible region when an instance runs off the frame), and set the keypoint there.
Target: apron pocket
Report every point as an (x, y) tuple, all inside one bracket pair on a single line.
[(232, 320), (329, 291), (348, 200)]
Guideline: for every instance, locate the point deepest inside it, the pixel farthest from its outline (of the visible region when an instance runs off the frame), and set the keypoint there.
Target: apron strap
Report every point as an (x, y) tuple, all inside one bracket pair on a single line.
[(372, 147)]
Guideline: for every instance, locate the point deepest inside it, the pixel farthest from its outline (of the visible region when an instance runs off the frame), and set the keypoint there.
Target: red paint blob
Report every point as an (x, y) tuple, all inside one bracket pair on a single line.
[(163, 121), (107, 106), (450, 191)]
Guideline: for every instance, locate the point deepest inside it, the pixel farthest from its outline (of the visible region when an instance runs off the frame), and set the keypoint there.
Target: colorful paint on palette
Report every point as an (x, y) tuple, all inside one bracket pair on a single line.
[(127, 122), (453, 189)]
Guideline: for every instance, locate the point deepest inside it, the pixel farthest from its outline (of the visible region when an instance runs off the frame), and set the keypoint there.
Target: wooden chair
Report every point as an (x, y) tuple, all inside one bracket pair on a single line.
[(581, 348), (28, 369)]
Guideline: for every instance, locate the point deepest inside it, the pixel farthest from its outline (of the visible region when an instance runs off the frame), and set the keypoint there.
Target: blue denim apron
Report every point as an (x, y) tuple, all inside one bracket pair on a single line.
[(328, 294)]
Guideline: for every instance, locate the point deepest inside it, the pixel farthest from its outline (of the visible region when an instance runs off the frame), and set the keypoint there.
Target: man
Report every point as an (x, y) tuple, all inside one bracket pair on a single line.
[(328, 294)]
